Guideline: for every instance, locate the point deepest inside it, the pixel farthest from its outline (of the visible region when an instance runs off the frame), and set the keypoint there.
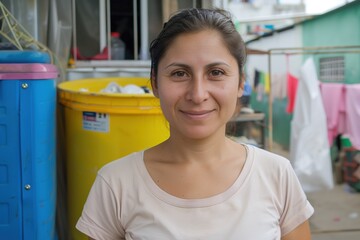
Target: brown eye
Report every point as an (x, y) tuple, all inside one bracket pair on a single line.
[(179, 74), (216, 73)]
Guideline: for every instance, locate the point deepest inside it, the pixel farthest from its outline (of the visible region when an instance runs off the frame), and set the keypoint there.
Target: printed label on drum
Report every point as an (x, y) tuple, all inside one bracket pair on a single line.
[(94, 121)]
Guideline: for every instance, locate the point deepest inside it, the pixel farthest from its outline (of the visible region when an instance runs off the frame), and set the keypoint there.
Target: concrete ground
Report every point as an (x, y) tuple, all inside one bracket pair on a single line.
[(337, 211), (337, 214)]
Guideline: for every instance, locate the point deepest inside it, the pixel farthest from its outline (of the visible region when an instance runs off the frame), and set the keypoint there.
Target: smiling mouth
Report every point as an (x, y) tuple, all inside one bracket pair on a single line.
[(197, 114)]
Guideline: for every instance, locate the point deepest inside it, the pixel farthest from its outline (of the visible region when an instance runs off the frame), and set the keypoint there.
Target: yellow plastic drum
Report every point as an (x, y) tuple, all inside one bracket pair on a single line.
[(101, 127)]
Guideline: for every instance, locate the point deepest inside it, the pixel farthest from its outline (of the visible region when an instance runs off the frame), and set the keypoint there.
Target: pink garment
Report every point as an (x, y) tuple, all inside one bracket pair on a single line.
[(353, 114), (333, 96), (292, 84), (342, 107)]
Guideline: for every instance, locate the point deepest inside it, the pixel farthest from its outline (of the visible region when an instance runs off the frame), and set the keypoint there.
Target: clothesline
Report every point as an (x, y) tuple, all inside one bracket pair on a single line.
[(351, 49), (314, 53), (340, 101)]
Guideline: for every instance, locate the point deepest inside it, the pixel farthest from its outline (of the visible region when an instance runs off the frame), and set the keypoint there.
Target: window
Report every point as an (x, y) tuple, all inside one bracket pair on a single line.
[(332, 69), (137, 22)]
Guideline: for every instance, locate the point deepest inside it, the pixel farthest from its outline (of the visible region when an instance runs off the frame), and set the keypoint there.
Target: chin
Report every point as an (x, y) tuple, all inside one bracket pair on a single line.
[(198, 134)]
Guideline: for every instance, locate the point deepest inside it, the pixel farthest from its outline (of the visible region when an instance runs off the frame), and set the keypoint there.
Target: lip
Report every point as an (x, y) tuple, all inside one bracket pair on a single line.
[(199, 114)]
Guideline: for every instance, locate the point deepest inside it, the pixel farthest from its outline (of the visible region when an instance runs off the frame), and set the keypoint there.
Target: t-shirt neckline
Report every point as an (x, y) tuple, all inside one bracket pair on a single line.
[(196, 203)]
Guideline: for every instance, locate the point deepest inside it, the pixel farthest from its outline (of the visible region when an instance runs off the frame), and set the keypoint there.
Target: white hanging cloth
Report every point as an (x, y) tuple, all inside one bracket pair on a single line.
[(309, 146)]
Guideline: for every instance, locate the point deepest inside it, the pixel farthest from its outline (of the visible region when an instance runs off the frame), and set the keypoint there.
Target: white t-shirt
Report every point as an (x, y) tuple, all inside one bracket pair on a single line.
[(264, 203)]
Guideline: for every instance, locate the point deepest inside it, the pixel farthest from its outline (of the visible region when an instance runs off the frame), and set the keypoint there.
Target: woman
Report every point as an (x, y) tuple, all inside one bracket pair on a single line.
[(198, 184)]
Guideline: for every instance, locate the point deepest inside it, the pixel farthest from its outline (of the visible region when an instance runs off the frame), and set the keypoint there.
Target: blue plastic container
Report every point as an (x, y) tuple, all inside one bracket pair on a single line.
[(27, 150), (11, 56)]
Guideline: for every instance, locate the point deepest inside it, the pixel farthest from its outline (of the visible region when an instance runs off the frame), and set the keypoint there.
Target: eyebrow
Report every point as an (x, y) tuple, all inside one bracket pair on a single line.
[(175, 64)]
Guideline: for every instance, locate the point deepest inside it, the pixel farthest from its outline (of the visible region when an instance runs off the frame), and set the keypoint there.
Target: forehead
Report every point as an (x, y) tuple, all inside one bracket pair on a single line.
[(201, 45), (199, 37)]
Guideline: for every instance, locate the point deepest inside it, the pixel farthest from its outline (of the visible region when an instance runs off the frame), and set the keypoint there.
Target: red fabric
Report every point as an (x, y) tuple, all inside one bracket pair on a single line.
[(292, 84)]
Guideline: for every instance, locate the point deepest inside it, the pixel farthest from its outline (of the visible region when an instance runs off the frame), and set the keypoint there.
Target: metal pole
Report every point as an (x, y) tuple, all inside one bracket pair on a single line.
[(102, 21), (270, 110), (74, 30), (315, 48), (144, 30), (108, 28), (136, 40), (314, 53)]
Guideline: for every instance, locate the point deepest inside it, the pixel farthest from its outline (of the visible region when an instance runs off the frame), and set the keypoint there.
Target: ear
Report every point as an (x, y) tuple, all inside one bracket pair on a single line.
[(154, 85), (241, 85)]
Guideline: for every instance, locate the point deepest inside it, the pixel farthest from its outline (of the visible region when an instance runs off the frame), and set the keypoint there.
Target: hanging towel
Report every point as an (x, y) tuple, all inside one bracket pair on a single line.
[(333, 96), (353, 113), (278, 86), (309, 147), (260, 92), (292, 84)]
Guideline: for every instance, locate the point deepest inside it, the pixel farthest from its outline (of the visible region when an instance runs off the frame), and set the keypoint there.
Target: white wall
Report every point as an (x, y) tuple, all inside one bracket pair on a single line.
[(286, 39)]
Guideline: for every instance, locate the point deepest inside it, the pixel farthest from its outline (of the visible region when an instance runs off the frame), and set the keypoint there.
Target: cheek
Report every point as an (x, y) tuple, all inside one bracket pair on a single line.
[(232, 93), (166, 93), (233, 102), (168, 98)]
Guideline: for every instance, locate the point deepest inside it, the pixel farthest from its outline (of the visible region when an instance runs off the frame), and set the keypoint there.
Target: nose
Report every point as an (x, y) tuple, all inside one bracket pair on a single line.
[(198, 90)]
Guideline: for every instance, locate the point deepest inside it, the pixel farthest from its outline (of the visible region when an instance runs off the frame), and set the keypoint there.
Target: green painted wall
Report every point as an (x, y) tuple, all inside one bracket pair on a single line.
[(337, 28), (281, 119)]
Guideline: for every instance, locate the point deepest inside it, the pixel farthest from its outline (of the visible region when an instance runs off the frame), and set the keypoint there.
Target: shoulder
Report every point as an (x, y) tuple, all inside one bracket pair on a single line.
[(121, 168), (270, 167), (267, 159)]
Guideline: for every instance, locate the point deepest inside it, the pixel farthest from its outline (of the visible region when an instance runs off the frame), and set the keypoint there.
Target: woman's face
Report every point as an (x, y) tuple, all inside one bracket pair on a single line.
[(198, 84)]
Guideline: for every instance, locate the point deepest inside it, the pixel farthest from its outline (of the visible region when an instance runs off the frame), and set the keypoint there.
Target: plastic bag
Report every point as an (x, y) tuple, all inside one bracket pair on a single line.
[(113, 87), (309, 146)]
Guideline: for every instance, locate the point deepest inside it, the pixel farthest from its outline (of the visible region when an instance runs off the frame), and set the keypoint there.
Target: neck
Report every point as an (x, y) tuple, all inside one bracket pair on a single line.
[(193, 150)]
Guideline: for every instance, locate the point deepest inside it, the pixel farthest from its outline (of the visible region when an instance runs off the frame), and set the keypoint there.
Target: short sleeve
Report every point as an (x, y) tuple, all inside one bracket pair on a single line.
[(100, 217), (297, 208)]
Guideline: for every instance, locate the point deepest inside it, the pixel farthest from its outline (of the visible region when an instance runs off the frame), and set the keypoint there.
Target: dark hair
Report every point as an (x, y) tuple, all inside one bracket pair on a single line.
[(193, 20)]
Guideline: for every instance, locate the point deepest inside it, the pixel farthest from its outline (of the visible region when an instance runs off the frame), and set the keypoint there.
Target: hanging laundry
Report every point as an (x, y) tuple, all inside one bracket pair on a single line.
[(333, 96), (353, 113), (278, 86), (256, 78), (292, 85), (342, 106), (262, 79), (260, 92), (260, 85), (266, 83)]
